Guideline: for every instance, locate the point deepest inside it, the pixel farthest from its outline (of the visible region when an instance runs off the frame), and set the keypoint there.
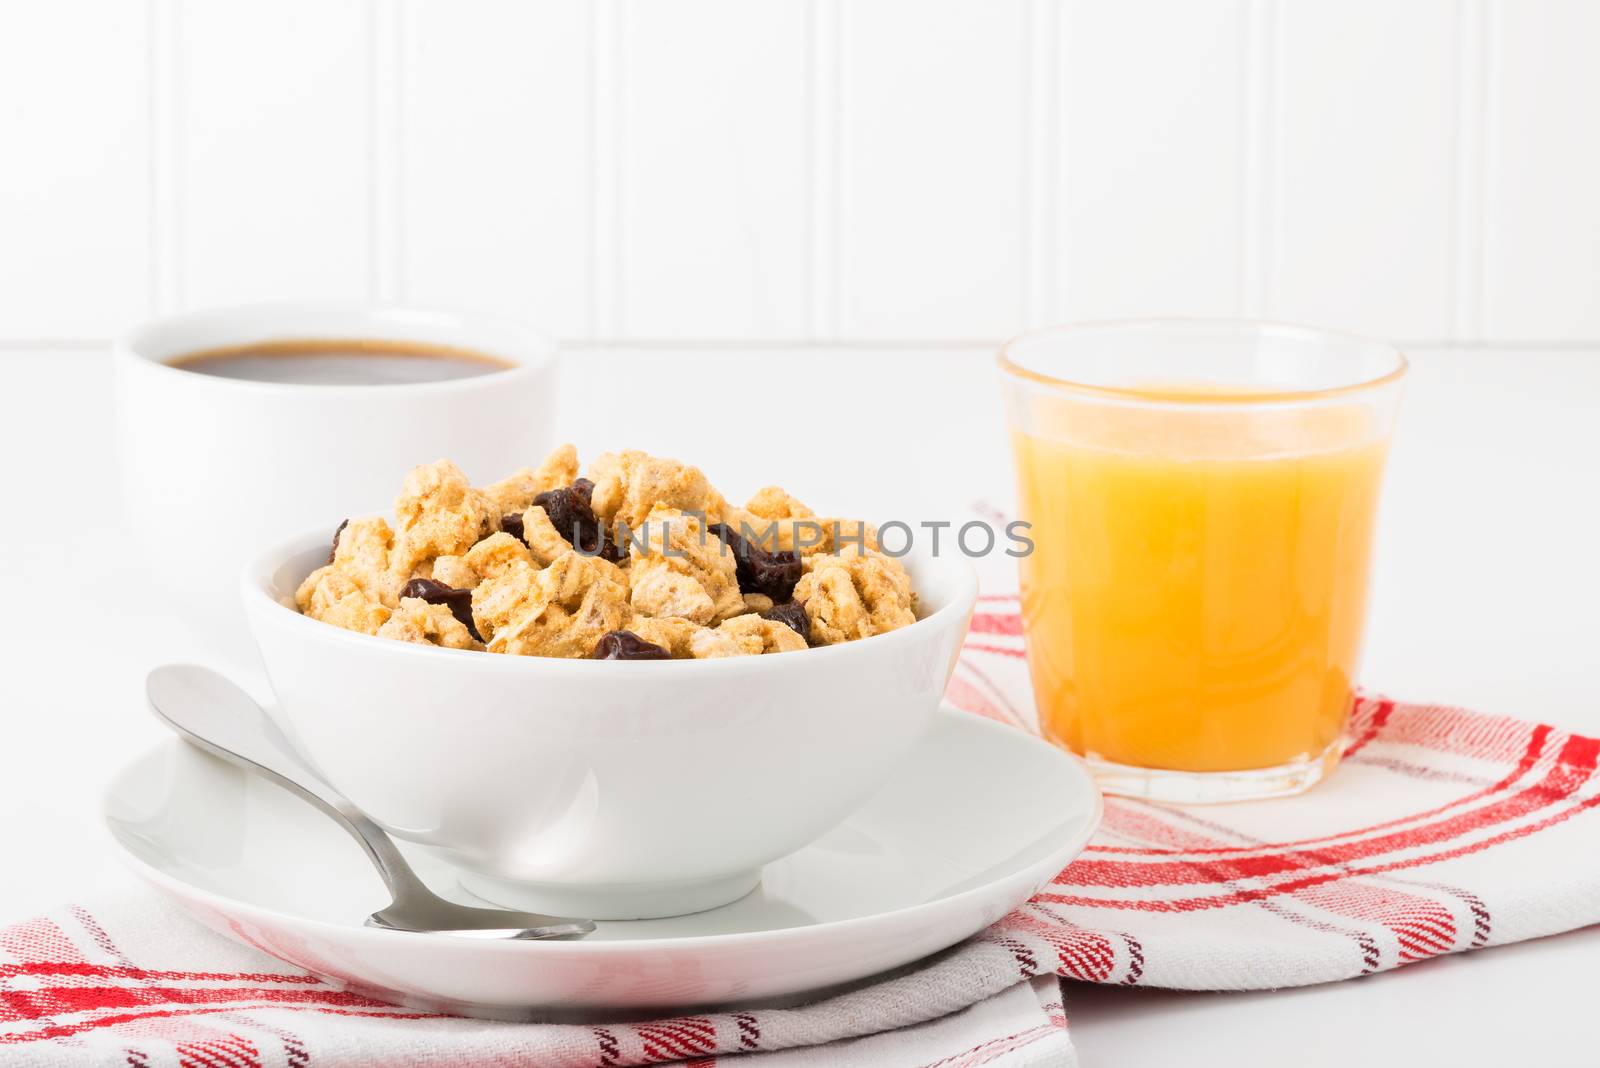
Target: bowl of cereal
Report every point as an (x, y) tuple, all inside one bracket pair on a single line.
[(446, 668)]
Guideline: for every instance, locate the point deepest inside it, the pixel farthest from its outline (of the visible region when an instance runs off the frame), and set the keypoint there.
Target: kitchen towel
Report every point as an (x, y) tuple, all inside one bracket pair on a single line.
[(131, 982), (1443, 830)]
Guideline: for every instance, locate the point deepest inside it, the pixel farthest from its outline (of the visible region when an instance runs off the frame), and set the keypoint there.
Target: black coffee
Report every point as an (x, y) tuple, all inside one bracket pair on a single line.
[(342, 362)]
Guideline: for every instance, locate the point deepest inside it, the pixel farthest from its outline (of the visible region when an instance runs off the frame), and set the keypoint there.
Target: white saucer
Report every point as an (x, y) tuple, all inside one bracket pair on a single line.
[(978, 818)]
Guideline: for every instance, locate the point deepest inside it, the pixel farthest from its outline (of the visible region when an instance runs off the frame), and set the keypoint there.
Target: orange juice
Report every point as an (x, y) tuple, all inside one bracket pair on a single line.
[(1195, 597)]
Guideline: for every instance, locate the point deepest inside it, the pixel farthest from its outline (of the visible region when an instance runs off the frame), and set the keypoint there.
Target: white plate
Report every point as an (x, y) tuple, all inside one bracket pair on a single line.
[(976, 820)]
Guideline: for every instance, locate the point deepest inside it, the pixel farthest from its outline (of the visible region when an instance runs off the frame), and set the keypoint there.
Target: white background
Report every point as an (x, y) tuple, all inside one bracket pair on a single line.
[(881, 171), (691, 184)]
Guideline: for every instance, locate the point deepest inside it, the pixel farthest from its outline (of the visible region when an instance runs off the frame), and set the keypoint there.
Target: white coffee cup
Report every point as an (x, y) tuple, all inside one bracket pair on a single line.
[(215, 468)]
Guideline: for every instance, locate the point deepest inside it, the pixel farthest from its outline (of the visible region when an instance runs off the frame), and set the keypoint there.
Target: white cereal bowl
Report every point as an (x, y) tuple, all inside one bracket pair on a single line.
[(606, 789)]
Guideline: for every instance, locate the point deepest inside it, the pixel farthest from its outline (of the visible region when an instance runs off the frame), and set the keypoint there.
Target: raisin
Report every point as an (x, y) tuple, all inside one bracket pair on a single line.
[(626, 645), (573, 517), (333, 550), (759, 571), (458, 601), (512, 524), (794, 614)]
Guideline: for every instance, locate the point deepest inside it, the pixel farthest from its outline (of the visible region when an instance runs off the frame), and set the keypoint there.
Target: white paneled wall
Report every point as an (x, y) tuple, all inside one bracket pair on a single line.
[(75, 176), (877, 171), (930, 224), (1152, 166), (274, 155), (1364, 159), (710, 146), (1541, 237), (493, 199)]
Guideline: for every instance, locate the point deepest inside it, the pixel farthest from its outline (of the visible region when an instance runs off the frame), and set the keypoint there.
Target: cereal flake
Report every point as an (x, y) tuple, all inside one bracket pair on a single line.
[(628, 486), (426, 624), (681, 570), (440, 514), (562, 610), (747, 635), (854, 596)]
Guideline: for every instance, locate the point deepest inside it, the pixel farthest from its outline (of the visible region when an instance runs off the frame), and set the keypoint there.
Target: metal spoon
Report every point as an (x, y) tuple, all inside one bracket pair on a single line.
[(213, 714)]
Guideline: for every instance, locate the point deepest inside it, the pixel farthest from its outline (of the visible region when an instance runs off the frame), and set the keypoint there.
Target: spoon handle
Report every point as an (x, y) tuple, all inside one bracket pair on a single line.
[(217, 716)]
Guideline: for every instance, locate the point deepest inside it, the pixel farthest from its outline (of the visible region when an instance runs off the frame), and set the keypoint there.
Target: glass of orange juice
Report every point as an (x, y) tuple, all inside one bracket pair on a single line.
[(1201, 497)]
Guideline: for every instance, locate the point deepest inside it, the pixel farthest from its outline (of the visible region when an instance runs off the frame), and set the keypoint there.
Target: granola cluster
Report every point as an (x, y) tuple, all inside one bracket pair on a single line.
[(641, 560)]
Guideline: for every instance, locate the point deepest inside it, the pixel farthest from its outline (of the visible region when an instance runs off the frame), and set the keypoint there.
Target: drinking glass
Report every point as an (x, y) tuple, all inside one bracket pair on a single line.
[(1201, 497)]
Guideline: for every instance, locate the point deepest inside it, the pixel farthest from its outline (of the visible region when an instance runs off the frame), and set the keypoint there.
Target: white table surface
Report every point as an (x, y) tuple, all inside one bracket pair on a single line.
[(1486, 595)]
